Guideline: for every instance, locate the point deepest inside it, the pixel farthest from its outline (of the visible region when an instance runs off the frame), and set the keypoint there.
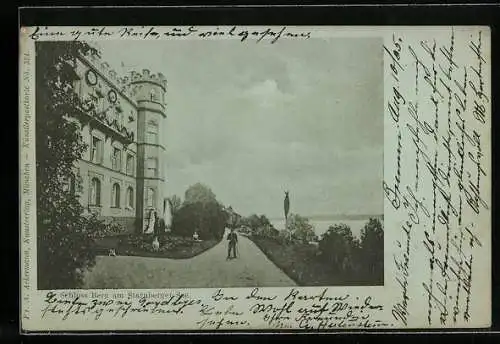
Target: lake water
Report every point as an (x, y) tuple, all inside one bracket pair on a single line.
[(321, 226)]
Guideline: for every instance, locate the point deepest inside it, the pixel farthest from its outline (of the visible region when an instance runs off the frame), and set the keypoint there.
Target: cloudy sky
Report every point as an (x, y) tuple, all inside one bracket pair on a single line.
[(252, 120)]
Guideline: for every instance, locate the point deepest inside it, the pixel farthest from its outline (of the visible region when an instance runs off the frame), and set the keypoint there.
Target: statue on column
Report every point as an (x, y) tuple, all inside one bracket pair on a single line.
[(151, 222)]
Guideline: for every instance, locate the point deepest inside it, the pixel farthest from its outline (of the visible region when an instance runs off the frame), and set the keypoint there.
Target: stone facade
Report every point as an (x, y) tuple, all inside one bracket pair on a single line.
[(121, 173)]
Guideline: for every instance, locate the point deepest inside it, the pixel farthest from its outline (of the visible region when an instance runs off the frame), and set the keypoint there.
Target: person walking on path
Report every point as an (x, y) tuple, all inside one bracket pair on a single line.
[(233, 240)]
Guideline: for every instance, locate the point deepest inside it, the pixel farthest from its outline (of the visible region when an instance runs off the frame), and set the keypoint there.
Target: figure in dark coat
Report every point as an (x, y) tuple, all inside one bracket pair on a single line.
[(157, 225), (233, 240)]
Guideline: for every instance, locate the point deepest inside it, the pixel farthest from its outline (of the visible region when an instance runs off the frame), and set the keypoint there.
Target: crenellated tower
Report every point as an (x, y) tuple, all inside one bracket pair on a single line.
[(148, 90)]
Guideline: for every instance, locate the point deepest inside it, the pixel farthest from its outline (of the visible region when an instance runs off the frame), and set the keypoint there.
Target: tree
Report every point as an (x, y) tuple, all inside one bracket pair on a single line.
[(264, 221), (372, 247), (259, 225), (199, 193), (300, 228), (338, 247), (65, 237), (200, 211), (252, 221), (209, 220)]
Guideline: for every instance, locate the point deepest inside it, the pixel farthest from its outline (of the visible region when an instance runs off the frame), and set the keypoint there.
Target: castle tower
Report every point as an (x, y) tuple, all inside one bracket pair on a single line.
[(149, 92)]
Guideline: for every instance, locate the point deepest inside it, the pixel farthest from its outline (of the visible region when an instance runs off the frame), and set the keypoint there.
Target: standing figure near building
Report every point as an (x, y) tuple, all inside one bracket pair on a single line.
[(233, 241), (157, 224)]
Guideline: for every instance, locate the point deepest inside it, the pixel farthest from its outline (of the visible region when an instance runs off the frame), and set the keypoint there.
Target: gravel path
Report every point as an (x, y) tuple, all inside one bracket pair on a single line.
[(207, 270)]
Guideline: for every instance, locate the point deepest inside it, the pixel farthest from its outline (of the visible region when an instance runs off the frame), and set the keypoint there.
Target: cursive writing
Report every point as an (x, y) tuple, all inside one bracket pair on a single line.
[(69, 307), (442, 116), (270, 34)]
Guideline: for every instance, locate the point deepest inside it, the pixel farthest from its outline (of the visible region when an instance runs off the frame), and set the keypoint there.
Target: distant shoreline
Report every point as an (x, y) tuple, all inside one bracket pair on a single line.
[(335, 217)]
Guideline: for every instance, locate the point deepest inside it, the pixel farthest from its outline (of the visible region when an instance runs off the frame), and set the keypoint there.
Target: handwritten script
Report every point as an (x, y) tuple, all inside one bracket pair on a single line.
[(241, 34), (223, 309)]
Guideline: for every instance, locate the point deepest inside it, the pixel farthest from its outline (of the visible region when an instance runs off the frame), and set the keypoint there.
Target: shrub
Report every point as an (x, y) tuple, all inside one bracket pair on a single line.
[(143, 243), (266, 231), (338, 247), (103, 229), (255, 222), (301, 229), (284, 236)]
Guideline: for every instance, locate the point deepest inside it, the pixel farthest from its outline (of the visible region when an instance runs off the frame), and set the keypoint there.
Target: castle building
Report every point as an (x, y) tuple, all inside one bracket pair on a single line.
[(121, 173)]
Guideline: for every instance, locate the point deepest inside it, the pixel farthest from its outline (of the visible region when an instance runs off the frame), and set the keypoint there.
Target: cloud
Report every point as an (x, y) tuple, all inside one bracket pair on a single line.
[(252, 120), (266, 94)]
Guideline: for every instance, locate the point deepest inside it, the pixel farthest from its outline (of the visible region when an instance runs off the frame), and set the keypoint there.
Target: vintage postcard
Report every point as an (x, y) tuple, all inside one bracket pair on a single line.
[(255, 178)]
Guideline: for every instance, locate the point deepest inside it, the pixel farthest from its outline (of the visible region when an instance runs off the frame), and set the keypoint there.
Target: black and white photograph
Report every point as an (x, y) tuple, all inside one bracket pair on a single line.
[(206, 164)]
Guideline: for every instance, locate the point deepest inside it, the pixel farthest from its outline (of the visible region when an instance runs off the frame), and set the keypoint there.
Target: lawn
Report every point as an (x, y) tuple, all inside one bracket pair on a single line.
[(171, 246), (303, 265)]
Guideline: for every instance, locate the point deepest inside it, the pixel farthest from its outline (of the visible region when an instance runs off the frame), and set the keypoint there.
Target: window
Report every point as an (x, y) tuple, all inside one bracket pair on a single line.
[(152, 132), (96, 150), (152, 167), (130, 164), (95, 192), (151, 202), (130, 197), (115, 195), (116, 159)]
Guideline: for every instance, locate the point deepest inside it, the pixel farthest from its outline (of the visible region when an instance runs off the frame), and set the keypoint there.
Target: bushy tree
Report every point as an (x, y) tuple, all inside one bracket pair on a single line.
[(253, 221), (264, 221), (209, 220), (65, 244), (200, 212), (372, 247), (260, 225), (199, 193), (300, 228)]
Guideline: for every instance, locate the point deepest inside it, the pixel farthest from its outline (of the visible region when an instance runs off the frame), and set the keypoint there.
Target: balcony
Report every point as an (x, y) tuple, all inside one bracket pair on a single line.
[(103, 120)]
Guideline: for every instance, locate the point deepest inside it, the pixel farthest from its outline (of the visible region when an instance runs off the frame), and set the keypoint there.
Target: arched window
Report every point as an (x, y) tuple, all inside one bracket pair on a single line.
[(95, 191), (115, 195), (151, 199), (130, 197)]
